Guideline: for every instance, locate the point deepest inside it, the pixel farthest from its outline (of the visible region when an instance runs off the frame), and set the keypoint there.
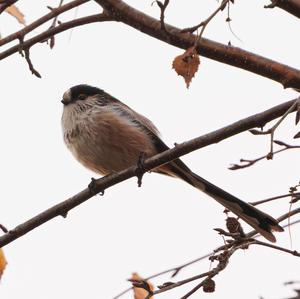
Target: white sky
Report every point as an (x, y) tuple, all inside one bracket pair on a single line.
[(166, 222)]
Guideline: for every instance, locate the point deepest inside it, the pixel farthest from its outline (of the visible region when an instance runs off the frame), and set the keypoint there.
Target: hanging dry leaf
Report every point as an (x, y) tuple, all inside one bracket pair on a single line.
[(140, 292), (186, 65), (15, 12), (3, 262)]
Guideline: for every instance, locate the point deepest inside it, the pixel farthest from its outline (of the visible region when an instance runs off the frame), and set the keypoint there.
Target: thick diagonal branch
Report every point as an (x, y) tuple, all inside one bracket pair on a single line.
[(291, 6), (287, 76), (184, 148)]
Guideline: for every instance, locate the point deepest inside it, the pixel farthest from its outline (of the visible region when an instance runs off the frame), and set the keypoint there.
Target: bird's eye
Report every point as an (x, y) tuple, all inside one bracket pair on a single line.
[(81, 97)]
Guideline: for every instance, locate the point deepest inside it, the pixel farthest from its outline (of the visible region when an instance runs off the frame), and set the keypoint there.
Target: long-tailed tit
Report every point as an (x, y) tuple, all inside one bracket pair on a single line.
[(107, 136)]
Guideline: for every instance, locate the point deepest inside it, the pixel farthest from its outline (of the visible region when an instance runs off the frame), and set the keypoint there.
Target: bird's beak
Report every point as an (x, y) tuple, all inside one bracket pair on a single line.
[(67, 98)]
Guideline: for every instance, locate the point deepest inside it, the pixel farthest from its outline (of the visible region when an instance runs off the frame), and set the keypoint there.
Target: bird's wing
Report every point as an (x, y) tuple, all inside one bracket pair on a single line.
[(260, 221)]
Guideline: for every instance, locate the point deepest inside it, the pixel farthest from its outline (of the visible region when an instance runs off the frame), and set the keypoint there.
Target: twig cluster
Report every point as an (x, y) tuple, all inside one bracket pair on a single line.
[(272, 130), (222, 254), (249, 162), (203, 24)]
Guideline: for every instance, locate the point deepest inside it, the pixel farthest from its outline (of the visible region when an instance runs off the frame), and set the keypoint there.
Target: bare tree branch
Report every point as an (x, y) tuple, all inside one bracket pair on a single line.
[(249, 162), (291, 6), (218, 249), (30, 65), (120, 11), (101, 184), (272, 130), (204, 23), (287, 76), (54, 13), (223, 260), (293, 252), (54, 21), (296, 195), (53, 31)]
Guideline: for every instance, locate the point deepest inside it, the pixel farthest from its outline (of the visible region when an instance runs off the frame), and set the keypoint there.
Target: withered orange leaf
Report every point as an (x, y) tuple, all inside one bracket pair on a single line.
[(186, 65), (3, 262), (15, 12), (140, 292)]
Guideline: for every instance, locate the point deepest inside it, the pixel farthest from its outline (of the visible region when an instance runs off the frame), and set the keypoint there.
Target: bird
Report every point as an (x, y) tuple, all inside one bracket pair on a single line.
[(107, 136)]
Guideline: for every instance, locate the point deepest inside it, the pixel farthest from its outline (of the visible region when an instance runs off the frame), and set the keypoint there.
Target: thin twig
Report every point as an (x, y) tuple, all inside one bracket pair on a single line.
[(175, 271), (293, 252), (248, 162), (3, 228), (162, 7), (52, 38), (296, 195), (31, 67), (205, 22), (180, 283), (272, 130)]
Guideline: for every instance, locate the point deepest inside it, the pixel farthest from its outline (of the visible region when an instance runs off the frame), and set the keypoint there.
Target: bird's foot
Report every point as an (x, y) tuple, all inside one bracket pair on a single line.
[(140, 170), (93, 189)]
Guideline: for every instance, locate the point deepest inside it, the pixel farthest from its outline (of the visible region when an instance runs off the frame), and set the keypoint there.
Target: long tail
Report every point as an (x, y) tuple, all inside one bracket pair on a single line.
[(260, 221)]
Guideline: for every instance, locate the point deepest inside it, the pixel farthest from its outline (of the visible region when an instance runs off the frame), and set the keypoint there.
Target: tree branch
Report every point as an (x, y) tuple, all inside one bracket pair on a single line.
[(184, 148), (292, 252), (211, 255), (52, 14), (102, 17), (249, 162), (287, 76), (291, 6), (259, 202)]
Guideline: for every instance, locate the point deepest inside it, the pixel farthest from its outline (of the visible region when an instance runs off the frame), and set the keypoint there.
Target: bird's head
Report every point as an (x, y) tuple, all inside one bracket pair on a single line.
[(79, 93)]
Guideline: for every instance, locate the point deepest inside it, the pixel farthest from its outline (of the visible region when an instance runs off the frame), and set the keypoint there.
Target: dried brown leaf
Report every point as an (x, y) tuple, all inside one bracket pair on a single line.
[(186, 65), (15, 12), (140, 292), (3, 262)]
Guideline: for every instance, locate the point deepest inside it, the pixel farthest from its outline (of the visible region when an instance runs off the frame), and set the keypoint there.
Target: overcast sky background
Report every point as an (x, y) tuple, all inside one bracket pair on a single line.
[(92, 252)]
